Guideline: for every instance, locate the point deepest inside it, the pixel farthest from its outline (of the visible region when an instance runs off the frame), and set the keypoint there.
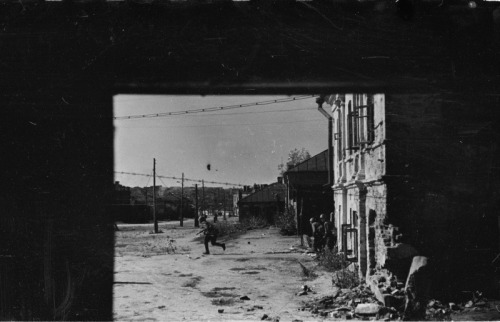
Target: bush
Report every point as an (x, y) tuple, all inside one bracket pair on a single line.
[(332, 261), (345, 278), (227, 228), (286, 223), (253, 222), (338, 264)]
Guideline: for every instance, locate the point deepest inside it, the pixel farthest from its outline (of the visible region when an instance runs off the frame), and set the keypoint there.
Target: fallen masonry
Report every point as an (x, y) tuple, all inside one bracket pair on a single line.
[(361, 303), (355, 303)]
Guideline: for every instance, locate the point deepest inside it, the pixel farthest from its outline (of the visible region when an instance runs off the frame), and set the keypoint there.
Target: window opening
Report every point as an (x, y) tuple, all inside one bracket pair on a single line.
[(365, 118)]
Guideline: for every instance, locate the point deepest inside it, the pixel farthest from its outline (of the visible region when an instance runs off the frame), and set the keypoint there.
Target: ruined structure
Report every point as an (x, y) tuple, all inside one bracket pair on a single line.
[(416, 174)]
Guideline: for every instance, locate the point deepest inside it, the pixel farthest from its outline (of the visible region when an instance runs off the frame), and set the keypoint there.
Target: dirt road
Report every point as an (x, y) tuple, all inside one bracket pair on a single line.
[(151, 284)]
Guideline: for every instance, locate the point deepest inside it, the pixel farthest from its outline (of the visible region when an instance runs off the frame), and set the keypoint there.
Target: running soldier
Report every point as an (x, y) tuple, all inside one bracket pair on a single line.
[(211, 232)]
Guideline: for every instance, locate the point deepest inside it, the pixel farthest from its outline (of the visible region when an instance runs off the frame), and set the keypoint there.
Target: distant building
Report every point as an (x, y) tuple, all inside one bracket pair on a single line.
[(237, 196), (264, 204), (308, 192), (121, 194)]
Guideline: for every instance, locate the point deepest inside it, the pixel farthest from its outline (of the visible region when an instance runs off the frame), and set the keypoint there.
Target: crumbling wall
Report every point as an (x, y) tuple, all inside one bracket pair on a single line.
[(378, 234), (438, 166)]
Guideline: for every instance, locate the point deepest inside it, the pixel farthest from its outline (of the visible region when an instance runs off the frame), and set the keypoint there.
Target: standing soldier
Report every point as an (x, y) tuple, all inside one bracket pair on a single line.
[(211, 233), (317, 232), (329, 232)]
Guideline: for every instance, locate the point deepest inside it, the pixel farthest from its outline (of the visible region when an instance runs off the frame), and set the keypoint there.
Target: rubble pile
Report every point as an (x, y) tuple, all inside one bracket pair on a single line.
[(437, 310), (388, 290), (354, 303)]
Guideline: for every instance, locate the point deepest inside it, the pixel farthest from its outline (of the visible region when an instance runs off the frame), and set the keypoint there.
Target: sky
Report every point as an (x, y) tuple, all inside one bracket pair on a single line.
[(243, 145)]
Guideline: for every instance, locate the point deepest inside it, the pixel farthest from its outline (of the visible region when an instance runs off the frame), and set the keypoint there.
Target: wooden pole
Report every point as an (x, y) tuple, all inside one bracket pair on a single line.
[(196, 223), (154, 197), (202, 196), (182, 199), (224, 201)]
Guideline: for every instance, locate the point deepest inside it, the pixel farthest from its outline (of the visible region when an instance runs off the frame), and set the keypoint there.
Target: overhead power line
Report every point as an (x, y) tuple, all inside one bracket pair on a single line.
[(214, 109), (185, 179), (229, 124)]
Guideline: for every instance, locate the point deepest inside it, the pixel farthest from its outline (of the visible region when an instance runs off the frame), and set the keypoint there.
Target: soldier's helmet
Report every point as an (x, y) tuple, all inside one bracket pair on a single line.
[(322, 216)]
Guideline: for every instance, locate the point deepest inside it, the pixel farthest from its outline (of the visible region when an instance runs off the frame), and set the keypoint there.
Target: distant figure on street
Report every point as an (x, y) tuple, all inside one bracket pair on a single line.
[(215, 217), (329, 237), (211, 233), (317, 232)]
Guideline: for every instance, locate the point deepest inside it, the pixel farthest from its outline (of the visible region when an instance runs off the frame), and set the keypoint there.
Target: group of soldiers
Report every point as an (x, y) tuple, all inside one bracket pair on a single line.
[(324, 233)]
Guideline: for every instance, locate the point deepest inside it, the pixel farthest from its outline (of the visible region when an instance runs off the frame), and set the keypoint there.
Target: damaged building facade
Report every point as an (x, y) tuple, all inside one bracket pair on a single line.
[(415, 175)]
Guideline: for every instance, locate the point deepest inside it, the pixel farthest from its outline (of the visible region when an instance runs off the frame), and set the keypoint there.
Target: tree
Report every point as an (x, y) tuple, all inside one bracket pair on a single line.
[(295, 157)]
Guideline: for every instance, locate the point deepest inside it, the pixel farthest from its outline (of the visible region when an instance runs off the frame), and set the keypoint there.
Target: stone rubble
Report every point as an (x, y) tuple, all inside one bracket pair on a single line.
[(354, 303), (437, 310)]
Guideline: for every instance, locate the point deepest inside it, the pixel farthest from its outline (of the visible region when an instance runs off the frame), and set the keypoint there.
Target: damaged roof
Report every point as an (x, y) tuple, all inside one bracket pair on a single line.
[(319, 162), (271, 193), (310, 172)]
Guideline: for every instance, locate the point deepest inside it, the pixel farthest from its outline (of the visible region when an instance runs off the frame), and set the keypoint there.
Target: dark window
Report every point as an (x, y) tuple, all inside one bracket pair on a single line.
[(352, 128), (365, 118), (338, 136)]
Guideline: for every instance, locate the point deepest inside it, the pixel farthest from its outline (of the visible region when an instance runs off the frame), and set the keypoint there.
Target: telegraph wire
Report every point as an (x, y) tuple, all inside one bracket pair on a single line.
[(253, 112), (214, 109), (176, 178), (149, 178), (159, 177), (230, 124)]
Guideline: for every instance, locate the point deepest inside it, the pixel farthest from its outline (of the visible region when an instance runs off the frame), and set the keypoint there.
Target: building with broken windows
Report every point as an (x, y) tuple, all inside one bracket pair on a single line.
[(416, 174)]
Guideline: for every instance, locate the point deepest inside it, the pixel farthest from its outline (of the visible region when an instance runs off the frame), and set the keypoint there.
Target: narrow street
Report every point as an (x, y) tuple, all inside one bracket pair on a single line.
[(257, 277), (151, 284)]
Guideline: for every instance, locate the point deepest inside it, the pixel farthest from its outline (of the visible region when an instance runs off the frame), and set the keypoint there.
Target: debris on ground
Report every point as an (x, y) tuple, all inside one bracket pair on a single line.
[(305, 290), (349, 303), (436, 310), (367, 309), (474, 302), (244, 298), (220, 310)]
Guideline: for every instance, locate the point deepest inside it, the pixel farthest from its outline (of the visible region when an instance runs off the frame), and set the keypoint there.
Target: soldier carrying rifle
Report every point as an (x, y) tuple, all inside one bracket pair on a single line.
[(211, 233)]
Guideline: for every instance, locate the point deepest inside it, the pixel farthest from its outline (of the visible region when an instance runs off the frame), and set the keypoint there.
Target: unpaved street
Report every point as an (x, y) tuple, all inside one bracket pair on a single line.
[(151, 284)]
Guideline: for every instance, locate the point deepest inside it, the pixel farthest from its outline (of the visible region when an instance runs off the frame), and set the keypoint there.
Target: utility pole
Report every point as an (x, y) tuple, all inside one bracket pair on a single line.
[(196, 223), (154, 197), (224, 201), (231, 201), (217, 198), (202, 196), (182, 199)]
